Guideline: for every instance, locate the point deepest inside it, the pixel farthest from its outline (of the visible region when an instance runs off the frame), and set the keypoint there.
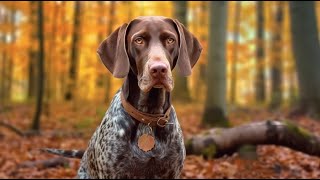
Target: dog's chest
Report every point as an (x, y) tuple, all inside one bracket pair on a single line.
[(113, 151)]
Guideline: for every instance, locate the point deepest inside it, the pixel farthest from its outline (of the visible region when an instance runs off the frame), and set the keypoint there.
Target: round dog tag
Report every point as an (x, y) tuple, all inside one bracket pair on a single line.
[(146, 142)]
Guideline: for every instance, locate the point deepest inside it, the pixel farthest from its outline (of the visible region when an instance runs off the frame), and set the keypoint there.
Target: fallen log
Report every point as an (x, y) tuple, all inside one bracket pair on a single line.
[(220, 141)]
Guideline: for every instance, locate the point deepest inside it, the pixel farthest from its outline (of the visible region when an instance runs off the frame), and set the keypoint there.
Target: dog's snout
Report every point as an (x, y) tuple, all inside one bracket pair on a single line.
[(158, 69)]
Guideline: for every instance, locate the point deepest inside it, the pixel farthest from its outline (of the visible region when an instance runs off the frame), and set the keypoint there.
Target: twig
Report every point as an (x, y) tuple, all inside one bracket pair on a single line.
[(49, 163), (12, 128)]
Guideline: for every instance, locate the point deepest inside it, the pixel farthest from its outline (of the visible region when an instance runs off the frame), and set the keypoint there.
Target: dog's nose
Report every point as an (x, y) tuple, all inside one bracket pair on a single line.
[(158, 69)]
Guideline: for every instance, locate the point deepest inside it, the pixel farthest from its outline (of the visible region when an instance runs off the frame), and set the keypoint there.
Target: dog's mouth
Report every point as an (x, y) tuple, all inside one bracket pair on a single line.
[(146, 84)]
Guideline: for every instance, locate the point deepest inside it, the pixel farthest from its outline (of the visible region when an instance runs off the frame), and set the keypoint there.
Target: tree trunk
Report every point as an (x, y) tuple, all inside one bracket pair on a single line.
[(236, 33), (73, 70), (218, 142), (36, 121), (215, 106), (260, 55), (203, 38), (5, 58), (50, 68), (32, 76), (3, 64), (276, 60), (292, 89), (63, 51), (3, 74), (50, 57), (32, 52), (181, 90), (9, 79), (11, 59), (306, 51), (56, 55)]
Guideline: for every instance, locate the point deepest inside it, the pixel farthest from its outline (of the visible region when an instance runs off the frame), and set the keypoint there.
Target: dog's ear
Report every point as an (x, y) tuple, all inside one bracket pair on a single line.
[(112, 52), (189, 49)]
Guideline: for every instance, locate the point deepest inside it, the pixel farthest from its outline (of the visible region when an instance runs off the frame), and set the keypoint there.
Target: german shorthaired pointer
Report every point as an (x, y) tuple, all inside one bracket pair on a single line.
[(140, 136)]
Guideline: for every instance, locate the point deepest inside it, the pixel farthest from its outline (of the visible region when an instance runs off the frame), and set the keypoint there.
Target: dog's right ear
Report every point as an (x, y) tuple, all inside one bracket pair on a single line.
[(112, 52)]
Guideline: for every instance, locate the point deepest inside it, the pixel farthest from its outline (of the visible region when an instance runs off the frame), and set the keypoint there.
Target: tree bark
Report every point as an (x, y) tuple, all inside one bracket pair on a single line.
[(218, 142), (203, 38), (181, 90), (260, 55), (73, 70), (11, 59), (32, 52), (36, 121), (31, 76), (62, 51), (236, 33), (276, 60), (51, 56), (215, 105), (3, 74), (3, 65), (306, 51), (5, 59)]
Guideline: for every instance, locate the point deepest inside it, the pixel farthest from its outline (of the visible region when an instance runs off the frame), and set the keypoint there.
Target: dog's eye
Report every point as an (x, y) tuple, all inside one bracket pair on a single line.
[(170, 40), (139, 40)]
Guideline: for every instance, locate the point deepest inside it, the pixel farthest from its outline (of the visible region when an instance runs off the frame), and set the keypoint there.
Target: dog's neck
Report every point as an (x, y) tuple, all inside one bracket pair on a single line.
[(156, 101)]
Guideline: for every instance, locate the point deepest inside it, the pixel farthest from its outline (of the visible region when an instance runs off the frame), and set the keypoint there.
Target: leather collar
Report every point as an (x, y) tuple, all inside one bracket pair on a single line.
[(150, 119)]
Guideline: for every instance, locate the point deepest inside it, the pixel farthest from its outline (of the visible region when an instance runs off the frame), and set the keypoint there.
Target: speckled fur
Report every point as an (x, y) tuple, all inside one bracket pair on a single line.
[(113, 152)]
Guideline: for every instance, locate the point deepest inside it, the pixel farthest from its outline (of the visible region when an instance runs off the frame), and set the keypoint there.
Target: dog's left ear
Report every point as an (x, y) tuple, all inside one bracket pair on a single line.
[(189, 49)]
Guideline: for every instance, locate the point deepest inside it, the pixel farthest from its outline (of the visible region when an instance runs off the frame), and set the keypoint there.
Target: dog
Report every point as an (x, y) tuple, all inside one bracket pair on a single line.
[(140, 136)]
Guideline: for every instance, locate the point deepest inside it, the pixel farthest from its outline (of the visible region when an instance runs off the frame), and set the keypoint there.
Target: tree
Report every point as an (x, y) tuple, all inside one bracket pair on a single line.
[(306, 51), (233, 85), (36, 121), (51, 56), (4, 61), (32, 51), (276, 57), (62, 51), (215, 105), (260, 55), (73, 69), (181, 91), (10, 60)]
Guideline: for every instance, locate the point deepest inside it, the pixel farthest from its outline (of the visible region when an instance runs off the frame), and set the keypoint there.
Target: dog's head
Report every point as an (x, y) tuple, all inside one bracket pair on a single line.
[(151, 46)]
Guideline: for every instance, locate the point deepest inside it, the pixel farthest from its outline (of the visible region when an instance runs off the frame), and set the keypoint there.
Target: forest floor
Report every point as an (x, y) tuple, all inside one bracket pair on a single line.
[(64, 128)]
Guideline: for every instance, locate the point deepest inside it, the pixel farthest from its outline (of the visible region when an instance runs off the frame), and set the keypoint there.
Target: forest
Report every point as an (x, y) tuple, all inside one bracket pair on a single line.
[(250, 108)]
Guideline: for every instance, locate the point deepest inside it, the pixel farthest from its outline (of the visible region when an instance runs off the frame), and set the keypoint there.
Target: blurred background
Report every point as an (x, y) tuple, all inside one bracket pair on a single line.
[(259, 60)]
